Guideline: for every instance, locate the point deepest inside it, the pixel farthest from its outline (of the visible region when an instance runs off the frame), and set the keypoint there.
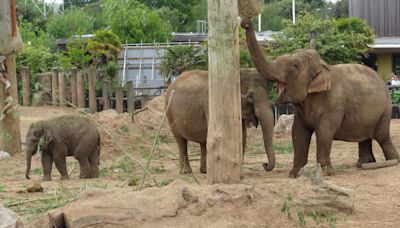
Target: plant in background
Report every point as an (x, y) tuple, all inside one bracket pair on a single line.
[(104, 47), (342, 41), (182, 58), (77, 54)]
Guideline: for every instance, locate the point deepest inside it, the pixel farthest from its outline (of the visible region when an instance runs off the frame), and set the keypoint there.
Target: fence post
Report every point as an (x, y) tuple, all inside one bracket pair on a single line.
[(119, 100), (25, 86), (79, 90), (74, 72), (106, 91), (130, 97), (61, 88), (54, 86), (92, 90)]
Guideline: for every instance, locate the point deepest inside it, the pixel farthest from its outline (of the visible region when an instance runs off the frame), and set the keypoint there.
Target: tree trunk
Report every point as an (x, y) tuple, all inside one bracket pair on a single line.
[(106, 94), (61, 88), (119, 99), (25, 86), (79, 90), (130, 97), (92, 90), (224, 144), (10, 133), (54, 86), (74, 73)]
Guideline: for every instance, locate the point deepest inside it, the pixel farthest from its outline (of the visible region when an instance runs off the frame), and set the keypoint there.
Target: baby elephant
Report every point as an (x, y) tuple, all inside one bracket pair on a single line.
[(69, 135)]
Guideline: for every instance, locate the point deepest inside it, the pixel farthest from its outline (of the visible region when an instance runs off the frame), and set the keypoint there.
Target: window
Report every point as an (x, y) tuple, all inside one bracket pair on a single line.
[(396, 64)]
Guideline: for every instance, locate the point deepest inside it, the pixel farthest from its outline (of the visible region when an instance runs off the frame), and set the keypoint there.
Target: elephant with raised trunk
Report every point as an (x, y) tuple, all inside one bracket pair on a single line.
[(188, 113), (348, 102), (57, 138)]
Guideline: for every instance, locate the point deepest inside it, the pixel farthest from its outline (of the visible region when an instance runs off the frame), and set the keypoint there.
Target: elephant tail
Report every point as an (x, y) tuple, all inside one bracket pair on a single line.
[(98, 149)]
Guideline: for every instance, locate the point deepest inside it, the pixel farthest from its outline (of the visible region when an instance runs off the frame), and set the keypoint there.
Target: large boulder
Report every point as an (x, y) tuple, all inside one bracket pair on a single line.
[(284, 124)]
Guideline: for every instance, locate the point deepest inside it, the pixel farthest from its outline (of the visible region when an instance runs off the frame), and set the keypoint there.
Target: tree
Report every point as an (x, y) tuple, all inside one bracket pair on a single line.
[(78, 3), (133, 21), (72, 22), (342, 41), (104, 47)]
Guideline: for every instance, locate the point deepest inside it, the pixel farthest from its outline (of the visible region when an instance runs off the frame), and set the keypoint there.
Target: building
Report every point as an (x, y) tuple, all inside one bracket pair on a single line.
[(384, 17)]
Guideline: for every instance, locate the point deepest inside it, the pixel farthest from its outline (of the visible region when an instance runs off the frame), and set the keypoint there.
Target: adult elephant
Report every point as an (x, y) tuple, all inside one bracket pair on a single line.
[(188, 113), (348, 102), (57, 138)]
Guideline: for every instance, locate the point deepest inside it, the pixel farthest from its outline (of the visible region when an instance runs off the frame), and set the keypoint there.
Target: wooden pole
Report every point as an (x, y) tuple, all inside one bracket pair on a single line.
[(224, 144), (61, 88), (119, 99), (25, 86), (106, 91), (130, 97), (92, 90), (79, 90), (10, 133), (54, 86), (74, 72)]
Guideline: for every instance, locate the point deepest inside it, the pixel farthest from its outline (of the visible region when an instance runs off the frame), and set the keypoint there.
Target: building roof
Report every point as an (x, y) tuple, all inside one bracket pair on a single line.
[(385, 44)]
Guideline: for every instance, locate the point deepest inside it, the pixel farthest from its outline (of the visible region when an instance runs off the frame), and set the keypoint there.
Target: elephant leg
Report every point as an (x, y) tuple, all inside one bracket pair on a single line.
[(59, 158), (382, 135), (203, 158), (301, 142), (47, 163), (365, 154), (85, 168), (94, 164), (324, 144), (183, 155)]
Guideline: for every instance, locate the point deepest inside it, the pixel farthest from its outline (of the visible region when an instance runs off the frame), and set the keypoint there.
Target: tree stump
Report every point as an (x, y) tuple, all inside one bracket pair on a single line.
[(130, 97), (119, 99), (54, 86), (74, 100), (80, 95), (106, 94), (61, 89), (92, 90), (25, 86)]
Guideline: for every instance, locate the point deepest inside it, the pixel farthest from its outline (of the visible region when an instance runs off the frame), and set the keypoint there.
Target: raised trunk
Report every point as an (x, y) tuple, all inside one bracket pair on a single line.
[(264, 66), (28, 163)]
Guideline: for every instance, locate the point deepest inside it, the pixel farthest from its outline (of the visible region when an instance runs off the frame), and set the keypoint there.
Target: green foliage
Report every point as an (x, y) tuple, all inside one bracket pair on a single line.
[(36, 36), (78, 3), (286, 205), (331, 220), (182, 58), (72, 22), (337, 42), (283, 149), (77, 54), (135, 22), (104, 47)]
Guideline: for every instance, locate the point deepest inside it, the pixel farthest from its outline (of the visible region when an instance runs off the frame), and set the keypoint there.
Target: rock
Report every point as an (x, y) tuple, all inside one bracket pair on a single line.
[(4, 155), (35, 187), (8, 219), (284, 124), (325, 197)]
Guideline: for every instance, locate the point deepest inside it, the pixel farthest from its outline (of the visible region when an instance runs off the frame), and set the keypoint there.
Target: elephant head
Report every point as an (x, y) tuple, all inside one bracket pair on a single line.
[(256, 110), (297, 74), (35, 133)]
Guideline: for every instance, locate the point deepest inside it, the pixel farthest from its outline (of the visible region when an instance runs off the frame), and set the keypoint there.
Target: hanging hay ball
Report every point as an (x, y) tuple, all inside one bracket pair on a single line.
[(250, 8)]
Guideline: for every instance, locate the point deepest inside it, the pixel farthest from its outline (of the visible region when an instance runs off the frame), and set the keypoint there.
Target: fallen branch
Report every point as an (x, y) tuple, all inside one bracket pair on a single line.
[(376, 165)]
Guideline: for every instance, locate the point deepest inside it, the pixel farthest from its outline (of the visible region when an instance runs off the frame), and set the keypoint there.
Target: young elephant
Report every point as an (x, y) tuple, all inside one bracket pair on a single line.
[(188, 113), (68, 135)]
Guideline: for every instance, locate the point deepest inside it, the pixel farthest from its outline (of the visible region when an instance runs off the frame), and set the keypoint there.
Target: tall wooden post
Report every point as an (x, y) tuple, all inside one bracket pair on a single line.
[(25, 86), (54, 86), (224, 144), (80, 95), (106, 94), (61, 88), (130, 97), (92, 90), (74, 72), (119, 99)]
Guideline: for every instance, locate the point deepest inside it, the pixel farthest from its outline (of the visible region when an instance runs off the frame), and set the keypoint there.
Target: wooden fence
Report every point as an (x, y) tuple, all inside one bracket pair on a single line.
[(78, 89)]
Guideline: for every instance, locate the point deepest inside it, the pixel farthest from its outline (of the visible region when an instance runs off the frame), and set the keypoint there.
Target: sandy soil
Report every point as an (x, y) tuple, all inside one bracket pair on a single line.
[(377, 198)]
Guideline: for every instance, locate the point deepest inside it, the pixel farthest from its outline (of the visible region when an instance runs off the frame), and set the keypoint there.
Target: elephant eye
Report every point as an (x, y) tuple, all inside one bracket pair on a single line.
[(296, 66)]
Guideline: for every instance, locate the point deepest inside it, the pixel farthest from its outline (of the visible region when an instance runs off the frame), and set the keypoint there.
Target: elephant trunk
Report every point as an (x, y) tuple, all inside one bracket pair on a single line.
[(28, 164), (264, 66)]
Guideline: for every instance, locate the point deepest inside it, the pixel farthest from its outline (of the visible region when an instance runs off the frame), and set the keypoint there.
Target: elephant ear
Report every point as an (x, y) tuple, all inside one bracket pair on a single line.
[(47, 138), (321, 81)]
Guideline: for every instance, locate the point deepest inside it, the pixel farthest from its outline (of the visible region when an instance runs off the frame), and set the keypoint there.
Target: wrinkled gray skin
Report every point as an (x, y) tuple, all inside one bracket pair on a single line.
[(188, 113), (64, 136), (348, 102)]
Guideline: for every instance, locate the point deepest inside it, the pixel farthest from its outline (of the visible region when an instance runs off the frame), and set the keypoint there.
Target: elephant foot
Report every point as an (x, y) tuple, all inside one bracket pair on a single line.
[(294, 173), (84, 176), (328, 170), (186, 170), (45, 178), (203, 169), (64, 177)]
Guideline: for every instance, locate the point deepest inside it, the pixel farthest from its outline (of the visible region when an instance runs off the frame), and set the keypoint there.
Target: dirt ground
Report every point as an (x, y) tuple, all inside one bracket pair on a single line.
[(377, 198)]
